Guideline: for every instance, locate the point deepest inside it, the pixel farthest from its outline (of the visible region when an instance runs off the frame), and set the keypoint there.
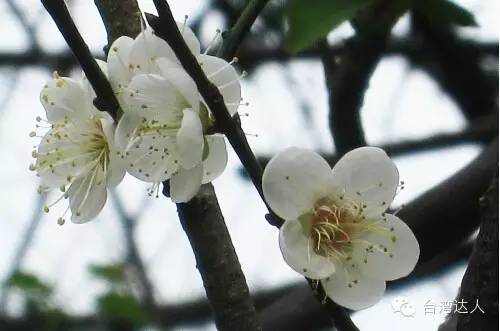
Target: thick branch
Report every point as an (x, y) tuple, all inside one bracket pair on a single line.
[(458, 67), (217, 262), (121, 18), (480, 281), (106, 99)]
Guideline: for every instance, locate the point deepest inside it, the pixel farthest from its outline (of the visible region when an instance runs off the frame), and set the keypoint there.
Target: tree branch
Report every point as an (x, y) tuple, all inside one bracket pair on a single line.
[(106, 99), (133, 254), (454, 209), (347, 78), (480, 281), (21, 251), (216, 260), (481, 131), (166, 28), (121, 18), (234, 36)]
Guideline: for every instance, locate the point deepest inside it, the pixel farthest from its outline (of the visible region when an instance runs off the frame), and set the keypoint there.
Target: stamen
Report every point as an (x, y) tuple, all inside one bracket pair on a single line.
[(221, 69), (184, 24), (212, 42), (64, 195)]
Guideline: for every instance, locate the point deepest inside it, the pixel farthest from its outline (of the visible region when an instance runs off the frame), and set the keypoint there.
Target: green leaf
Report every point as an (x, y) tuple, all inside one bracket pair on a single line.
[(29, 283), (312, 20), (445, 12), (113, 273), (122, 307)]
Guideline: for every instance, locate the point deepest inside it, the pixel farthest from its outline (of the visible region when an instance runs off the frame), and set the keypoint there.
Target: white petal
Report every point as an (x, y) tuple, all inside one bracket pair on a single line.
[(190, 139), (367, 174), (156, 98), (185, 184), (87, 197), (116, 167), (294, 180), (66, 159), (299, 254), (116, 171), (126, 130), (84, 82), (147, 47), (216, 161), (350, 289), (225, 77), (189, 37), (400, 242), (152, 157), (184, 84), (118, 64), (65, 97)]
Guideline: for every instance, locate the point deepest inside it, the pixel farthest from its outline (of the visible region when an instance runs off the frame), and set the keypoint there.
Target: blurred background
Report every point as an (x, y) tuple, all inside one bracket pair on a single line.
[(432, 102)]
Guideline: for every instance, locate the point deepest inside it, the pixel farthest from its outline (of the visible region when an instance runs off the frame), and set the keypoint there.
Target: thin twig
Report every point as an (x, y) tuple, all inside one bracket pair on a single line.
[(166, 28), (234, 36), (106, 99)]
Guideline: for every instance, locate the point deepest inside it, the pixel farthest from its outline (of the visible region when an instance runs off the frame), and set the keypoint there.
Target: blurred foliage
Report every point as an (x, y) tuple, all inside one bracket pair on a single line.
[(118, 304), (113, 273), (38, 301), (308, 23), (444, 12), (29, 284), (122, 307)]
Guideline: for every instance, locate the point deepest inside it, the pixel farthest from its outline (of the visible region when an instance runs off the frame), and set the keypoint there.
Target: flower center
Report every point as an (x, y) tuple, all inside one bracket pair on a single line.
[(333, 227), (70, 151)]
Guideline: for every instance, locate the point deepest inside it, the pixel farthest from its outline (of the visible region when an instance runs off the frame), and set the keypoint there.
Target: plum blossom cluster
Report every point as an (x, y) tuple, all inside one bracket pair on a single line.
[(336, 228), (166, 131)]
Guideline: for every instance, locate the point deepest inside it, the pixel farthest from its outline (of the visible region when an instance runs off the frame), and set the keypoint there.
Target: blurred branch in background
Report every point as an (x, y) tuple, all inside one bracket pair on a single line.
[(133, 256), (479, 131), (22, 249)]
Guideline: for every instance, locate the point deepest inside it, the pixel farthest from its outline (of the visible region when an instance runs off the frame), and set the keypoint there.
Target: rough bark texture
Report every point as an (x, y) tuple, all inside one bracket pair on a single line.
[(121, 18), (217, 262), (480, 281)]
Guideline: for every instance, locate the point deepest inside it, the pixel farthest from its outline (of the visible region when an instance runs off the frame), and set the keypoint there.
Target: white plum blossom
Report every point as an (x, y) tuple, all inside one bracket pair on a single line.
[(77, 153), (336, 227), (166, 131), (129, 57)]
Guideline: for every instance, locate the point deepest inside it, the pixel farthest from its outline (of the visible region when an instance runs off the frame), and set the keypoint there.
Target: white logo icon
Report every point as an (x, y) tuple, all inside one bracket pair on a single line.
[(402, 305)]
